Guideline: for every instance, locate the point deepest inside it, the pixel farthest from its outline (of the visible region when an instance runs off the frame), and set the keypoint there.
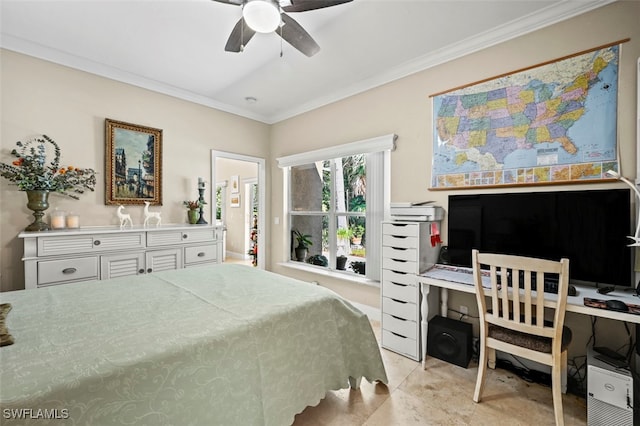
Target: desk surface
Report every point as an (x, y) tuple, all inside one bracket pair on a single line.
[(574, 303)]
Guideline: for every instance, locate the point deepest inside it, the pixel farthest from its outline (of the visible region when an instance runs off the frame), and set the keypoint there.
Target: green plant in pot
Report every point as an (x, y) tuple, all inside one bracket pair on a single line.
[(193, 208), (341, 262), (358, 232), (358, 267), (303, 241)]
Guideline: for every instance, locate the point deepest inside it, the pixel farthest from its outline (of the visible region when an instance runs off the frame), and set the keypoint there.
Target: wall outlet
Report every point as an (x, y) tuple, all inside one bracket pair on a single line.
[(464, 310)]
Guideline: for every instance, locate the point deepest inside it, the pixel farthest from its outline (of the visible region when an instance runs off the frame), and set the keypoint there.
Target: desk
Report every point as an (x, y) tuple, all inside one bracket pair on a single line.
[(430, 302)]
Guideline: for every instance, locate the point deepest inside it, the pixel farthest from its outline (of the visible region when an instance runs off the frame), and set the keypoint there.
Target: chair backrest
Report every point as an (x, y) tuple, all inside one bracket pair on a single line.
[(514, 302)]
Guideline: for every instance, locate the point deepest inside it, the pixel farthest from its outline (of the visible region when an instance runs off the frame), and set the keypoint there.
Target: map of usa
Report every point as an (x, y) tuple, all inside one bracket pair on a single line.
[(552, 123)]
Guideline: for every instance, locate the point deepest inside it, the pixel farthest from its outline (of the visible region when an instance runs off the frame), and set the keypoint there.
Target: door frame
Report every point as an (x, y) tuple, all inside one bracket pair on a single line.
[(262, 179)]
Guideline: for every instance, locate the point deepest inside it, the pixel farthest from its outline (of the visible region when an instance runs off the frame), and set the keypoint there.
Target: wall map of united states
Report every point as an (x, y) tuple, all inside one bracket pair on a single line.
[(552, 123)]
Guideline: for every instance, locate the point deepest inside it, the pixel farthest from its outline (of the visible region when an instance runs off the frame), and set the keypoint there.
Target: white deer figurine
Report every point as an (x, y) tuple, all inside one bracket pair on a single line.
[(150, 215), (124, 218)]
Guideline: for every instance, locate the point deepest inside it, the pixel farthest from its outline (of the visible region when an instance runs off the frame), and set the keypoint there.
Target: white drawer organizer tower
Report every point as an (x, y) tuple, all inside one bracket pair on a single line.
[(406, 252), (99, 253)]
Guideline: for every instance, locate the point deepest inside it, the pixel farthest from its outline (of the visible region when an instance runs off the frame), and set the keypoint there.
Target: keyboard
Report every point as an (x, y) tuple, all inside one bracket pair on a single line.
[(464, 275), (456, 274)]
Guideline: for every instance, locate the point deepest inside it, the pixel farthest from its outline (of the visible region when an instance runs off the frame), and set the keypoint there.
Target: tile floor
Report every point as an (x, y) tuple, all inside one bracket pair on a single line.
[(440, 395)]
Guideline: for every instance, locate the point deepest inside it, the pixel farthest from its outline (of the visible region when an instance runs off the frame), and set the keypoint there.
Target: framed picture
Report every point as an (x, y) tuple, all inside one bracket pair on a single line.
[(133, 164), (235, 184), (235, 200)]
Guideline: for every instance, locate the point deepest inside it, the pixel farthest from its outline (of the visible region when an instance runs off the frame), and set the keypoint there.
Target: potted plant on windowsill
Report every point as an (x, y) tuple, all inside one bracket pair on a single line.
[(358, 266), (341, 262), (303, 242)]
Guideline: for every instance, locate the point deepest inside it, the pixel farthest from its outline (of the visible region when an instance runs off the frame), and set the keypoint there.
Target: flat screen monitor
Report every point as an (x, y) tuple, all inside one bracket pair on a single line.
[(590, 227)]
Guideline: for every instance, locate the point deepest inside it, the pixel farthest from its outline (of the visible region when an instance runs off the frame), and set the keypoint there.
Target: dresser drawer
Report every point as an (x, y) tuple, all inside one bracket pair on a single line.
[(402, 292), (400, 253), (401, 229), (64, 270), (199, 254), (403, 327), (89, 243), (400, 344), (165, 238), (400, 309), (399, 277), (399, 242), (400, 265)]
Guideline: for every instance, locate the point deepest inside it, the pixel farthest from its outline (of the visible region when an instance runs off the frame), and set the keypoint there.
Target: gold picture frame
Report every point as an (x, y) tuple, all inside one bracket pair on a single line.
[(133, 169)]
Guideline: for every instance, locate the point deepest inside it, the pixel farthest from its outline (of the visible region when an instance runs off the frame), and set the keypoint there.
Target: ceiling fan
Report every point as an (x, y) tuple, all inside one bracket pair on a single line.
[(267, 16)]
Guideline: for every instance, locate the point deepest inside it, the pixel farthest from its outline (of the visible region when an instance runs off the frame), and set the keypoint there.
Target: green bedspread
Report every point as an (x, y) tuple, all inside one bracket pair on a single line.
[(215, 345)]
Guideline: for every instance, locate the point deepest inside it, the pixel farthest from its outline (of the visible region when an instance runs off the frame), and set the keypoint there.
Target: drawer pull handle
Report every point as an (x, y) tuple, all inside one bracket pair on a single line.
[(399, 236), (399, 272), (399, 260), (149, 270), (96, 243), (398, 224), (399, 248), (399, 335), (400, 284), (69, 270), (201, 254), (399, 301), (398, 318), (141, 271), (185, 236)]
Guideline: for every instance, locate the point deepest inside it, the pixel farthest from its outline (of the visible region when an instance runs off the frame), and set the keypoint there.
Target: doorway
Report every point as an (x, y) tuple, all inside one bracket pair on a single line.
[(240, 205)]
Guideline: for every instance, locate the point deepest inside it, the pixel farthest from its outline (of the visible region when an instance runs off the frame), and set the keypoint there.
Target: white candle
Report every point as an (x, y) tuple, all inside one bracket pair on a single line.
[(57, 221), (73, 221), (200, 182)]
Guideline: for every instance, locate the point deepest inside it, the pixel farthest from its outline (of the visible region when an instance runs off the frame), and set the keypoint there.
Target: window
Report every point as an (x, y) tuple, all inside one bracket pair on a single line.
[(336, 199)]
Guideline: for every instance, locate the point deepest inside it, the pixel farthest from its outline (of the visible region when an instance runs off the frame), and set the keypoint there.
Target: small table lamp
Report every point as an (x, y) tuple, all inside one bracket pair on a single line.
[(616, 175)]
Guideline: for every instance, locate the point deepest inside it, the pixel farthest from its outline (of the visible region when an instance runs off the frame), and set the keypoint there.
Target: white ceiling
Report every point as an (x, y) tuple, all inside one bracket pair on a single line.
[(176, 47)]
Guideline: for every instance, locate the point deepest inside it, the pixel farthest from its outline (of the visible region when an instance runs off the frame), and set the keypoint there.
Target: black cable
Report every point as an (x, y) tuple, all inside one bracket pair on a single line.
[(594, 319), (462, 315)]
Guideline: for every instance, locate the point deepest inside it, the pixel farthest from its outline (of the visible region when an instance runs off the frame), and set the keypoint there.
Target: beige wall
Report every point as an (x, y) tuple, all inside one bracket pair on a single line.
[(403, 107), (70, 106)]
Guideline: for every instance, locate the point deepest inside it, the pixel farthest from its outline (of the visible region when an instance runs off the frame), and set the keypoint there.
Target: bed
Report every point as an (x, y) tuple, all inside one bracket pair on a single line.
[(216, 345)]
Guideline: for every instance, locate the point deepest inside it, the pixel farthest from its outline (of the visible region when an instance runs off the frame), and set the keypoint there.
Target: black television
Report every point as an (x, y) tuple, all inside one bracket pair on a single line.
[(590, 227)]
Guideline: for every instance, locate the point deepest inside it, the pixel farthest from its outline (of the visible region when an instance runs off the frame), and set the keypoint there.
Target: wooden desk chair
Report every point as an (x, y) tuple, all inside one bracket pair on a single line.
[(513, 322)]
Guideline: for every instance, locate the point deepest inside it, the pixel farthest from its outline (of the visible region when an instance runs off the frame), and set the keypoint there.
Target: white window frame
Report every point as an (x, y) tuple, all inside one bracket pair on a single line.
[(378, 162)]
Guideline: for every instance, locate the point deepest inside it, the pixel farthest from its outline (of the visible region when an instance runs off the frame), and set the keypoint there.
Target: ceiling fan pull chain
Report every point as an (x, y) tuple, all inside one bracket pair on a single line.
[(242, 35), (281, 40)]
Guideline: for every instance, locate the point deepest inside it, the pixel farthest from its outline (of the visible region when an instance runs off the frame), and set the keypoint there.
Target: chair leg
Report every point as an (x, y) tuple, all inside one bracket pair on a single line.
[(482, 369), (556, 386), (563, 362), (492, 358)]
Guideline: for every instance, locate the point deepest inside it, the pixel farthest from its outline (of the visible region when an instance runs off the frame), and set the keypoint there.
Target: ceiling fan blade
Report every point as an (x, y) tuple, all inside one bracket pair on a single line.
[(304, 5), (234, 2), (295, 35), (239, 37)]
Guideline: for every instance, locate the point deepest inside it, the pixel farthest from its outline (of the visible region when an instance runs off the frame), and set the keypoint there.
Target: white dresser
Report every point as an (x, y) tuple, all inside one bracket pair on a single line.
[(406, 252), (99, 253)]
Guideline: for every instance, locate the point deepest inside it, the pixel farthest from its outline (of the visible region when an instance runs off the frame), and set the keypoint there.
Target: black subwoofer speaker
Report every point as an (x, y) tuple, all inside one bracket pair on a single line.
[(450, 340)]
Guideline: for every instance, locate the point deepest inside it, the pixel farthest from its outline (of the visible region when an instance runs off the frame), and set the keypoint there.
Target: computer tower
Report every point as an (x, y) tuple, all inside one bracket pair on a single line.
[(609, 393)]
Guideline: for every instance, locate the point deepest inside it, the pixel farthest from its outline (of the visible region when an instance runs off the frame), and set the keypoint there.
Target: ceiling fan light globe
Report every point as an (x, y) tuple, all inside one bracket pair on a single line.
[(261, 16)]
